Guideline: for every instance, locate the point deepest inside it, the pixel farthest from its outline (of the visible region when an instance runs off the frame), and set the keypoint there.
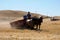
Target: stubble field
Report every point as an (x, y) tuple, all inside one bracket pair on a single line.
[(50, 30)]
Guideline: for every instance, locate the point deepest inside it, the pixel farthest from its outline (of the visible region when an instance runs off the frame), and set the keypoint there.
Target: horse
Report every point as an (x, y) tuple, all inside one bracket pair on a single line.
[(37, 21)]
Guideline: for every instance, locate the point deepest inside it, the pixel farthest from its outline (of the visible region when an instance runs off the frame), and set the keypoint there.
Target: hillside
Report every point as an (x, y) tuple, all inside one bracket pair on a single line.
[(11, 14)]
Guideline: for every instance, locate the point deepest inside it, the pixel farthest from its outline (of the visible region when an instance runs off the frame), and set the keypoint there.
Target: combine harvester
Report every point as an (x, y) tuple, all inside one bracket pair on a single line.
[(19, 23)]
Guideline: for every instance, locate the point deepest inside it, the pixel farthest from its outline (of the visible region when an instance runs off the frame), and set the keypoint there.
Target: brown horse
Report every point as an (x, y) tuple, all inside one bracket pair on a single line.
[(37, 22)]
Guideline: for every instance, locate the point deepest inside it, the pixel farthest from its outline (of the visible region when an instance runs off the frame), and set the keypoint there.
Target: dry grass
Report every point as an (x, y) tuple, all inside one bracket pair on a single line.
[(50, 30)]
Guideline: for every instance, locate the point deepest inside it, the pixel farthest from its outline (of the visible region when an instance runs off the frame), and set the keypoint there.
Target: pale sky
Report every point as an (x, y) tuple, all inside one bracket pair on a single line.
[(45, 7)]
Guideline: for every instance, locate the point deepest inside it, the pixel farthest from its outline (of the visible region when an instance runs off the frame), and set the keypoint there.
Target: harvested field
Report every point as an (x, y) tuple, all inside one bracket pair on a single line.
[(50, 30)]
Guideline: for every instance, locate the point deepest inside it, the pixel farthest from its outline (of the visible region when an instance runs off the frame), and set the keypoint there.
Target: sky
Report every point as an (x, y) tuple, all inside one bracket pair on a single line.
[(44, 7)]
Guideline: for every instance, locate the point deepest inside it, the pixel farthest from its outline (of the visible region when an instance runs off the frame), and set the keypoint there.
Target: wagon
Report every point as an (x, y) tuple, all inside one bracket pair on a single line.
[(20, 24)]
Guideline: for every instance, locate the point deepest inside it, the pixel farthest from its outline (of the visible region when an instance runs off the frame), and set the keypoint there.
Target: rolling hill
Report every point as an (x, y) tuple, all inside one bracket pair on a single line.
[(11, 14)]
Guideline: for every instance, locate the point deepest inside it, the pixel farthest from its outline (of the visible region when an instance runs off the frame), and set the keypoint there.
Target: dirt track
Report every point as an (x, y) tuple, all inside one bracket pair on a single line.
[(49, 31)]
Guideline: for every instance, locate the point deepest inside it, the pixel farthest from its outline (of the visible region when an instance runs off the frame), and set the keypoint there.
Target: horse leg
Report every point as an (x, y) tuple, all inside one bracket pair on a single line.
[(39, 26)]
